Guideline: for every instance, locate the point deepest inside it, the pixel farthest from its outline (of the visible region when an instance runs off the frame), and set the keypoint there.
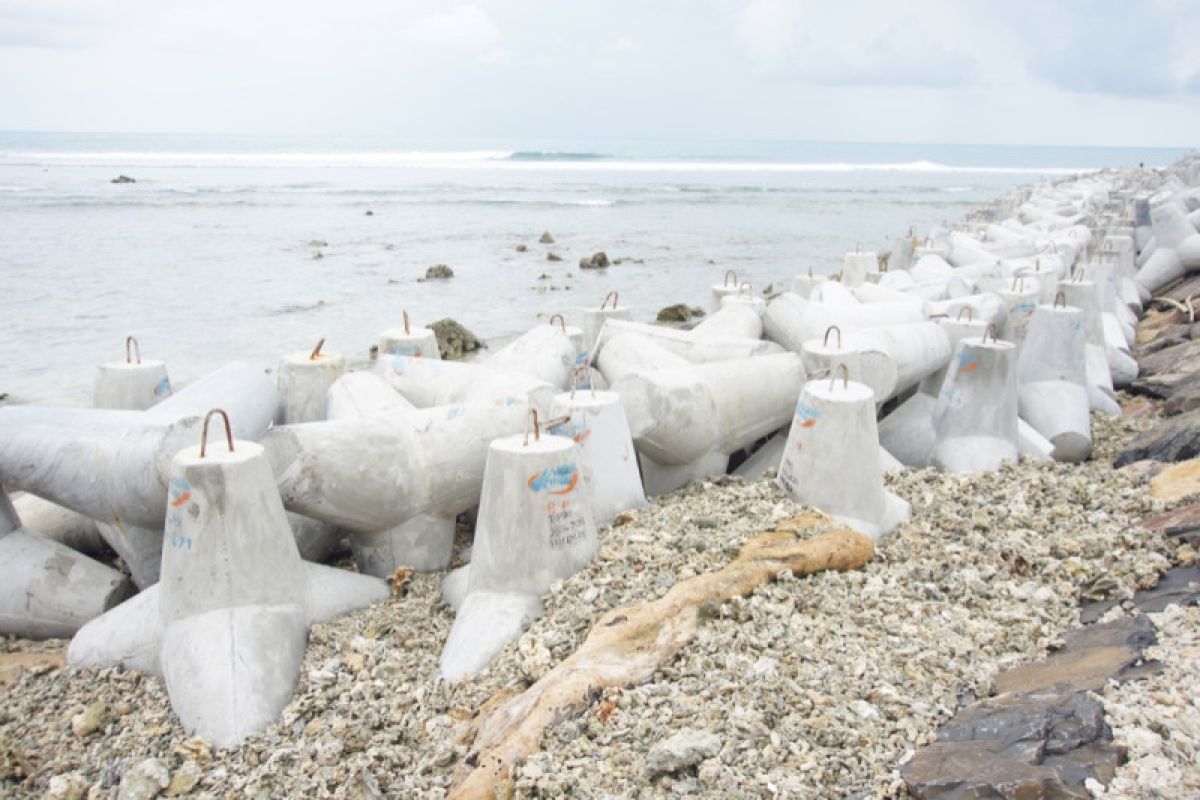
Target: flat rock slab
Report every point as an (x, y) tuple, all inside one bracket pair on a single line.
[(1177, 481), (1089, 658), (1017, 746), (1042, 737), (1176, 439)]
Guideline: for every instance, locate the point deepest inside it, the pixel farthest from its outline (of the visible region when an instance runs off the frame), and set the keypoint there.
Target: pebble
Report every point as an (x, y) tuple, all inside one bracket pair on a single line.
[(682, 750), (145, 780), (89, 720)]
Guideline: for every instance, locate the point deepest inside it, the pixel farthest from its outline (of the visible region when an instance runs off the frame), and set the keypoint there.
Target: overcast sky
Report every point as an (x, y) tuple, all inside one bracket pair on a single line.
[(1035, 72)]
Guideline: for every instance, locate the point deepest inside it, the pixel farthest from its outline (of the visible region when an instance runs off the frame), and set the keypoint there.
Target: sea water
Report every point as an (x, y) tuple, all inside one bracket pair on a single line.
[(249, 247)]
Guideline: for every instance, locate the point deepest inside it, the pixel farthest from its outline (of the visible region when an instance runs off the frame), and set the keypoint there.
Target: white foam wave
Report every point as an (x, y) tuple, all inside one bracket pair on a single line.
[(496, 160)]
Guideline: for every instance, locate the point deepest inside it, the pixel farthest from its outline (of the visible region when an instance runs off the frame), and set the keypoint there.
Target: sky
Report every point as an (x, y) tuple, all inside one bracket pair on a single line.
[(1067, 72)]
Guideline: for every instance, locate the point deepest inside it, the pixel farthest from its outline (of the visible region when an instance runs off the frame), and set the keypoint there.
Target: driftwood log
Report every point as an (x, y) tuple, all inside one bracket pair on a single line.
[(627, 645)]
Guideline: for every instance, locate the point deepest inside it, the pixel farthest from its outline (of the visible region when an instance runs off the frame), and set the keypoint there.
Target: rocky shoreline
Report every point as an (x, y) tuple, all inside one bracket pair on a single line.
[(818, 687), (831, 685)]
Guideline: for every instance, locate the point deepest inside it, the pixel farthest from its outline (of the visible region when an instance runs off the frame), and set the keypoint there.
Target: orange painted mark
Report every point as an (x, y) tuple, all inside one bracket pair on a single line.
[(183, 498)]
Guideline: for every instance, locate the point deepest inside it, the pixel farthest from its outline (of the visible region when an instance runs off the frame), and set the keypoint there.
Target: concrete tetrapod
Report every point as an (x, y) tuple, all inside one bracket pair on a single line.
[(303, 381), (412, 341), (375, 473), (679, 415), (1020, 301), (1052, 381), (832, 458), (50, 591), (1087, 295), (857, 265), (595, 317), (427, 382), (535, 527), (700, 345), (59, 524), (975, 420), (131, 384), (744, 298), (426, 541), (226, 626), (1177, 251), (544, 353), (720, 291), (596, 423), (791, 320), (804, 285), (112, 465), (1099, 375)]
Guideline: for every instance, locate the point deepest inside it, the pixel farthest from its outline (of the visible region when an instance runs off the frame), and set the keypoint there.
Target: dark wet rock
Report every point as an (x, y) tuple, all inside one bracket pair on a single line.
[(123, 179), (544, 277), (370, 213), (1044, 735), (1175, 439), (1089, 658), (546, 238), (438, 272), (1037, 746), (521, 248), (454, 340), (679, 312), (598, 260), (1178, 585), (1169, 371), (553, 257)]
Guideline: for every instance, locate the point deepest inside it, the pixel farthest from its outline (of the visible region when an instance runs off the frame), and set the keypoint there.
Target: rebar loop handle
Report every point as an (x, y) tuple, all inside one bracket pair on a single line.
[(845, 371), (537, 431), (204, 431), (132, 344)]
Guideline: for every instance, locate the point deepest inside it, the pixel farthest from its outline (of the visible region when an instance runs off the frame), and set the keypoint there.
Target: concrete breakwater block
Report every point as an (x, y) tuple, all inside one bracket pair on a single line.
[(832, 457), (227, 624), (975, 416), (535, 527), (1052, 381), (132, 384), (303, 379), (596, 422), (112, 465), (49, 590)]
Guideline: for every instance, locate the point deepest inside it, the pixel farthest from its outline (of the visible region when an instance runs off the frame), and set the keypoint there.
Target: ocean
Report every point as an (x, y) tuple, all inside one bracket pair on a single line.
[(247, 247)]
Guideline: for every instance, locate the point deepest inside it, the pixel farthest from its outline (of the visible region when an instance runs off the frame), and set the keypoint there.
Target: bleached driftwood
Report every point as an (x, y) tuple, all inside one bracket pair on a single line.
[(627, 645)]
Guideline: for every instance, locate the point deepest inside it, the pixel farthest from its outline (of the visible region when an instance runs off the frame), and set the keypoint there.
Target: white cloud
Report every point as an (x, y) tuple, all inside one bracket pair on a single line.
[(851, 43), (465, 29)]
